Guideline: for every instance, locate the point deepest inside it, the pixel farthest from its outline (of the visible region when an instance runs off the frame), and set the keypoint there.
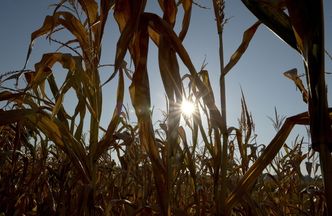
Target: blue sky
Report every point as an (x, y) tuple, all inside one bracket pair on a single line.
[(259, 73)]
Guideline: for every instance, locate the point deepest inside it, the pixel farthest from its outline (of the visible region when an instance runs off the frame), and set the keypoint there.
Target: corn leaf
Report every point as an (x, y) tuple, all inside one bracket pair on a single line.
[(187, 5), (169, 70), (107, 139), (90, 7), (161, 27), (248, 180), (105, 6), (169, 8), (247, 36), (128, 20), (140, 97), (292, 75), (272, 15), (69, 21)]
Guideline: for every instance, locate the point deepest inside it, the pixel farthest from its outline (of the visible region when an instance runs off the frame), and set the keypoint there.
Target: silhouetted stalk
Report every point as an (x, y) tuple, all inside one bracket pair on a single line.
[(220, 196), (303, 29), (311, 30), (318, 105)]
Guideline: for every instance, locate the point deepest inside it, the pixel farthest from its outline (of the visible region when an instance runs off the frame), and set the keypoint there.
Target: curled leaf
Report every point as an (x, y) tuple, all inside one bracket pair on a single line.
[(292, 75)]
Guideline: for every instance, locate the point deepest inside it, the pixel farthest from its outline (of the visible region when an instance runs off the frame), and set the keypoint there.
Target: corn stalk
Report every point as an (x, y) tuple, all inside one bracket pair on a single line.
[(303, 29), (220, 192), (41, 102)]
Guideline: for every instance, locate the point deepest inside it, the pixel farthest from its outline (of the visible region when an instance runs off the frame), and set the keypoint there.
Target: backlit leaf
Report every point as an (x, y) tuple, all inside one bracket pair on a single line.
[(106, 141), (292, 75), (272, 15), (187, 5), (66, 19), (90, 8), (247, 36)]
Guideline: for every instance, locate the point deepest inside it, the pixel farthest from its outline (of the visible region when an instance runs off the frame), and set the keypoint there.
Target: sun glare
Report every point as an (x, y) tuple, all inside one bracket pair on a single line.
[(187, 108)]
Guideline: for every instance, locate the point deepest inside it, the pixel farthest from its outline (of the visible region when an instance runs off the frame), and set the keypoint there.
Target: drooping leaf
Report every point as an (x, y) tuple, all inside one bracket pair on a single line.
[(161, 27), (11, 116), (69, 21), (170, 74), (169, 70), (247, 36), (128, 18), (292, 75), (90, 8), (140, 97), (106, 141), (272, 15), (170, 10), (105, 6), (187, 5)]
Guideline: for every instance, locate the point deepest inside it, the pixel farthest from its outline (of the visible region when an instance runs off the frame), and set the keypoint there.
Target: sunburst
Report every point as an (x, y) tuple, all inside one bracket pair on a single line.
[(187, 108)]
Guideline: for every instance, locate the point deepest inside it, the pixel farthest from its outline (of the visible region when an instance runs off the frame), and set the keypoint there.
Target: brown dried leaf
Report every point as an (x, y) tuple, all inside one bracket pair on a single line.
[(90, 8), (106, 141), (128, 18), (292, 75), (187, 5), (170, 10), (247, 36), (169, 70), (66, 19), (249, 178), (105, 6), (272, 15), (161, 27)]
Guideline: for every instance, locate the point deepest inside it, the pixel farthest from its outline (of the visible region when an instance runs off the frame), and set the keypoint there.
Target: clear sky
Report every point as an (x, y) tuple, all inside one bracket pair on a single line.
[(259, 72)]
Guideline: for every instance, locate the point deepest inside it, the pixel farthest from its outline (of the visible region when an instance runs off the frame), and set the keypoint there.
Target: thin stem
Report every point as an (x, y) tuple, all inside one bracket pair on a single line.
[(219, 7)]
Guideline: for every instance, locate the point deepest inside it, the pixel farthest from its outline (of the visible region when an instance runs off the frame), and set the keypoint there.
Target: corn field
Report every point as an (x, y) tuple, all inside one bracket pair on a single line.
[(56, 162)]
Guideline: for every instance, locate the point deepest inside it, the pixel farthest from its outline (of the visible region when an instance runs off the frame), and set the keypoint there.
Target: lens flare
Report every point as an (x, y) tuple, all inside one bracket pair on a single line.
[(187, 108)]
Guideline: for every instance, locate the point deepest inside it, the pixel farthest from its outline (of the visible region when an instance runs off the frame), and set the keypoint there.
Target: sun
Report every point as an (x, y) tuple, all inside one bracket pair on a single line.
[(187, 108)]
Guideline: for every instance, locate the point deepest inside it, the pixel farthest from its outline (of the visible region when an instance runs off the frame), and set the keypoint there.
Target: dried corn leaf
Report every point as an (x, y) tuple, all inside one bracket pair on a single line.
[(248, 180), (79, 109), (159, 26), (272, 15), (189, 155), (169, 70), (187, 5), (247, 36), (59, 134), (140, 97), (11, 116), (247, 118), (204, 74), (90, 8), (170, 10), (66, 19), (9, 96), (106, 141), (292, 74), (140, 89), (128, 18), (40, 119), (303, 21), (105, 6)]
